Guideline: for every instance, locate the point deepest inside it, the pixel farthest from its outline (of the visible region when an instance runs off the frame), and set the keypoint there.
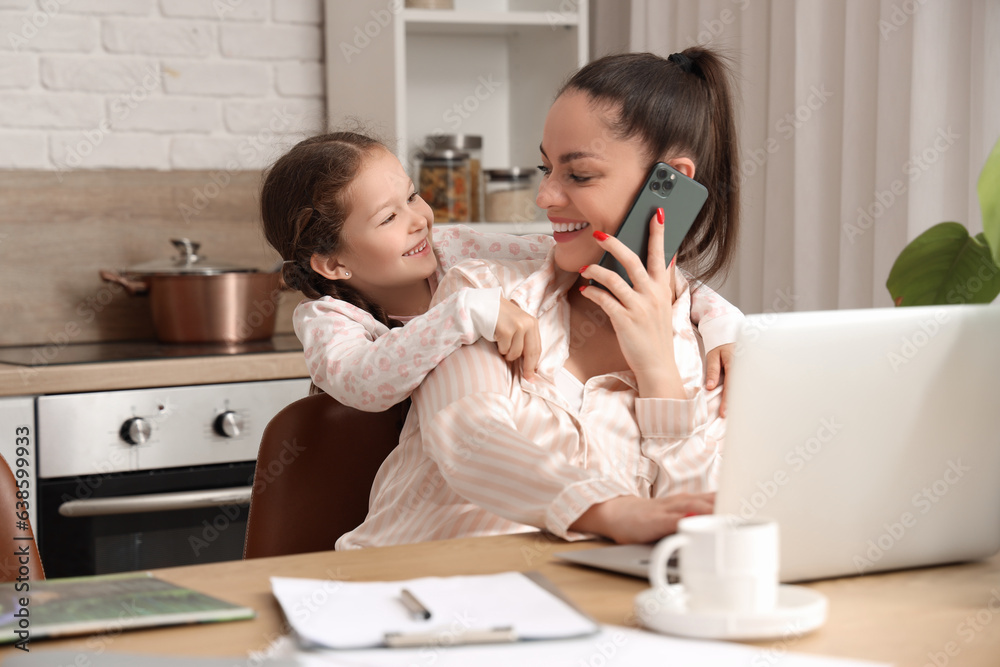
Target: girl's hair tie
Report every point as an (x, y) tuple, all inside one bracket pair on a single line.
[(684, 62), (292, 275)]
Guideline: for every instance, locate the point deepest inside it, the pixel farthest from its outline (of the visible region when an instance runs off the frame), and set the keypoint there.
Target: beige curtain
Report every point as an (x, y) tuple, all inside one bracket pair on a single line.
[(862, 124)]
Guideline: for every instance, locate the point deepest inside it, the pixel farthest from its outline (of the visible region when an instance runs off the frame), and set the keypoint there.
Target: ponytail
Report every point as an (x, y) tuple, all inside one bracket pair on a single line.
[(715, 239)]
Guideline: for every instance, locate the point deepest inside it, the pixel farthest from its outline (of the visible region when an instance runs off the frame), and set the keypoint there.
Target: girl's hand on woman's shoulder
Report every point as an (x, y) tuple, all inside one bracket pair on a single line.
[(718, 361), (642, 315), (518, 337)]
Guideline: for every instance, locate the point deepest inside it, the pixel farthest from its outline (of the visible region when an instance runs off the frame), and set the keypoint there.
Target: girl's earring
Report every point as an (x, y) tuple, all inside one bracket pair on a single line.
[(347, 274)]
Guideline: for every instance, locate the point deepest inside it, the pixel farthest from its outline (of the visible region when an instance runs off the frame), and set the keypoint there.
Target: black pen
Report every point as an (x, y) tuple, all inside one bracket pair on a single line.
[(418, 610)]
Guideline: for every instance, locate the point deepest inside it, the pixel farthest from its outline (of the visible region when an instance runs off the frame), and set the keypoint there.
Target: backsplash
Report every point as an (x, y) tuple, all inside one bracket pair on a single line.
[(58, 229)]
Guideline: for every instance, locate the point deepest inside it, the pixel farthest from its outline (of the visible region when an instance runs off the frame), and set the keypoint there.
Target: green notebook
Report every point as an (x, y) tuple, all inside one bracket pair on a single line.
[(104, 603)]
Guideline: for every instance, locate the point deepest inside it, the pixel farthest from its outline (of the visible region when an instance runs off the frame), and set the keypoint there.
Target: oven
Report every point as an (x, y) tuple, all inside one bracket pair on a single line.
[(147, 478)]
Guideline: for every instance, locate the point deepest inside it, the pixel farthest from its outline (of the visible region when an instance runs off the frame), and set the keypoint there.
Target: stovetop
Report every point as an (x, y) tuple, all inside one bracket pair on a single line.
[(144, 350)]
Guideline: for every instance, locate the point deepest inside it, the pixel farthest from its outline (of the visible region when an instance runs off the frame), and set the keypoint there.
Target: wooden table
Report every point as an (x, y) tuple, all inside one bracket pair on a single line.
[(932, 616)]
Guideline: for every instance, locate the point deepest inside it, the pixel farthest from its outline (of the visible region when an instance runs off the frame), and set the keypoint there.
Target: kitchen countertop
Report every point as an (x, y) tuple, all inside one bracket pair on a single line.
[(18, 380)]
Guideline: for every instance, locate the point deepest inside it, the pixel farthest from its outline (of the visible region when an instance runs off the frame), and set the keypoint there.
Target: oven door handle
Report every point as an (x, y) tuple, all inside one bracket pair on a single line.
[(156, 502)]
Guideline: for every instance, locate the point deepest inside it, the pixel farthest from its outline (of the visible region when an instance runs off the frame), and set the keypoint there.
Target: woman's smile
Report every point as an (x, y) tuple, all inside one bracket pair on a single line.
[(566, 229)]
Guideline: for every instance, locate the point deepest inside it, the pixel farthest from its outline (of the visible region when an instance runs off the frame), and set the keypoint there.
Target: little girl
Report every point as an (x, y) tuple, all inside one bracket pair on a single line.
[(356, 240)]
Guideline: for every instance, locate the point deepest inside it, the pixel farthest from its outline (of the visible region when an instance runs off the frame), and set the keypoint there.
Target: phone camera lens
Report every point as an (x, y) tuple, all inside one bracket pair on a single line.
[(661, 173), (654, 186), (668, 185)]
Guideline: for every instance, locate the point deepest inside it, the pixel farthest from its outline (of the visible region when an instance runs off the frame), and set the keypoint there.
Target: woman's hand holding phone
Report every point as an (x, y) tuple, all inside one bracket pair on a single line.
[(642, 314)]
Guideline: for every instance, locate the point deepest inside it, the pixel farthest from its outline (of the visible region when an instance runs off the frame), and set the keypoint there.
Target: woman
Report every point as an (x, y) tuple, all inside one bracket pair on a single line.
[(616, 435)]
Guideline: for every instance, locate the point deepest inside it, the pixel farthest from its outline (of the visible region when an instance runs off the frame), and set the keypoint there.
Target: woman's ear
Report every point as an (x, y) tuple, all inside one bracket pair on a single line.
[(328, 267), (684, 165)]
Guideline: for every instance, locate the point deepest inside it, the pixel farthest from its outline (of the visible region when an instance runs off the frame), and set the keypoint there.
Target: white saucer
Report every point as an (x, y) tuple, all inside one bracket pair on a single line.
[(799, 610)]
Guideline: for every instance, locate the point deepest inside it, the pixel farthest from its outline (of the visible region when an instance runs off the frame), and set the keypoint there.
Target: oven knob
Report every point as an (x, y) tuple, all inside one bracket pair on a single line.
[(228, 424), (136, 431)]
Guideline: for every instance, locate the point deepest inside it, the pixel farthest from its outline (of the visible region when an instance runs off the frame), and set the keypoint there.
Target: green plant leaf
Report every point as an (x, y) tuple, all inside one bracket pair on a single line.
[(989, 200), (944, 265)]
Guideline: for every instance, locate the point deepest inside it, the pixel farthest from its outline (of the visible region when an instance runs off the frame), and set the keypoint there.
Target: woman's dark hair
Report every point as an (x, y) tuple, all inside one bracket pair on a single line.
[(679, 107), (303, 205)]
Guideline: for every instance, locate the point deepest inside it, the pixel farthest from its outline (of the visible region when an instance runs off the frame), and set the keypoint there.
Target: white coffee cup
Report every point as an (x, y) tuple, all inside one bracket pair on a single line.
[(727, 564)]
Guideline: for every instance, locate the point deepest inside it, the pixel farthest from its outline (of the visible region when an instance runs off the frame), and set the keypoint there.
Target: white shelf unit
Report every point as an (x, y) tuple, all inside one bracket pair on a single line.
[(487, 67), (484, 22)]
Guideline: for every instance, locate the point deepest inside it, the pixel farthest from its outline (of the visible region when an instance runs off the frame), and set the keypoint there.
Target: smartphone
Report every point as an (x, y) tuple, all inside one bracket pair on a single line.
[(681, 199)]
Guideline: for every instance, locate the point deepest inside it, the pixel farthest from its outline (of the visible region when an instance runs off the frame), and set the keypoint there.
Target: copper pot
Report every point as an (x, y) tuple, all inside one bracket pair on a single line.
[(196, 301)]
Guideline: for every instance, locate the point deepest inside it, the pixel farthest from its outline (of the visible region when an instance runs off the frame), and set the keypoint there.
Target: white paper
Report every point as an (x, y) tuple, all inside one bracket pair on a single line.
[(612, 647), (341, 614)]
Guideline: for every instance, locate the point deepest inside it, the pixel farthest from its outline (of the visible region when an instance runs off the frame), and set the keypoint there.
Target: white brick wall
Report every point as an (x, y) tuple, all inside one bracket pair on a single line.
[(35, 30), (98, 74), (305, 79), (223, 10), (157, 84), (217, 79), (110, 7), (102, 149), (298, 11), (20, 70), (22, 150), (159, 37), (247, 40), (41, 110)]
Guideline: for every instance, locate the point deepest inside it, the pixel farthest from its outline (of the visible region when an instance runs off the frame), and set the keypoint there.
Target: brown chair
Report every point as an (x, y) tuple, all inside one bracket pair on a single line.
[(19, 555), (314, 473)]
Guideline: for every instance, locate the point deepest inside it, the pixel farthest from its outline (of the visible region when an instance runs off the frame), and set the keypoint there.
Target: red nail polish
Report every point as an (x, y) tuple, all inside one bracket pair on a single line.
[(672, 260), (659, 215), (600, 236), (690, 514), (583, 287), (584, 268)]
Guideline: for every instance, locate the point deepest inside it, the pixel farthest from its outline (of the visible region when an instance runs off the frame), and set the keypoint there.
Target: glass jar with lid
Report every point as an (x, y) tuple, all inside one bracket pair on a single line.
[(472, 145), (444, 184), (510, 195)]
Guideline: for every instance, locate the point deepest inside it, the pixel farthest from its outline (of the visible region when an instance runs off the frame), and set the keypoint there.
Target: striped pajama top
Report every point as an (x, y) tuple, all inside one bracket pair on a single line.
[(485, 452)]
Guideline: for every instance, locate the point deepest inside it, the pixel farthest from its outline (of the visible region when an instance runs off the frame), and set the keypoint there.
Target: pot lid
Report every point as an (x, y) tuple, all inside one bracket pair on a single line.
[(188, 261)]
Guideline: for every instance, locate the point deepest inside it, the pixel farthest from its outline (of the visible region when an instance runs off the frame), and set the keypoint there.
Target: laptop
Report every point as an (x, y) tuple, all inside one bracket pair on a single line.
[(872, 436)]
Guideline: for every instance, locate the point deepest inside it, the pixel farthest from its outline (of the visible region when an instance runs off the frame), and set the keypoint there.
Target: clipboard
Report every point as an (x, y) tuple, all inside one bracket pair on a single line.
[(480, 609)]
